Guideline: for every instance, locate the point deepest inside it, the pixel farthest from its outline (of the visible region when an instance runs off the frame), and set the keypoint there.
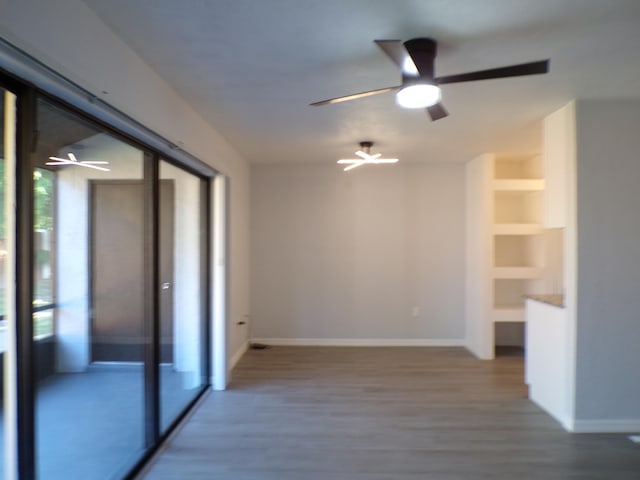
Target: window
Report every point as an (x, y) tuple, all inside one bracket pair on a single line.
[(43, 302)]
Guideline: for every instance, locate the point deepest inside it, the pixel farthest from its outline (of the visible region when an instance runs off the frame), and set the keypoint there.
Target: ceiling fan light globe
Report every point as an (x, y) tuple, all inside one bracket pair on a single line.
[(418, 96)]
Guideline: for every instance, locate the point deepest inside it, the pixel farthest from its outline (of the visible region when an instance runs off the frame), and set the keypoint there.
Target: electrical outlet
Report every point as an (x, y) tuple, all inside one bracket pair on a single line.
[(415, 312)]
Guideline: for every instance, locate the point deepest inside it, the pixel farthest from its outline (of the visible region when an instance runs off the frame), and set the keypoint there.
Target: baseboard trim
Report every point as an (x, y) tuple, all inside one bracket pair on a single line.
[(239, 353), (235, 358), (361, 342), (631, 425)]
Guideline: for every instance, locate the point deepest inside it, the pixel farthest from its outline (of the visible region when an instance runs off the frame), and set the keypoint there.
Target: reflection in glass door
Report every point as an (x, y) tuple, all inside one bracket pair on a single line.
[(88, 326), (182, 373)]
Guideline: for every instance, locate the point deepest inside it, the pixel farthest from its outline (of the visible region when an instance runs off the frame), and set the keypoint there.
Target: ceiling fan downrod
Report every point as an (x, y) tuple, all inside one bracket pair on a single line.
[(366, 146)]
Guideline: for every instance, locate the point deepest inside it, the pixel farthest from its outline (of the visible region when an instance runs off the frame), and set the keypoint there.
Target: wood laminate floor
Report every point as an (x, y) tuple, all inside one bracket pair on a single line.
[(311, 413)]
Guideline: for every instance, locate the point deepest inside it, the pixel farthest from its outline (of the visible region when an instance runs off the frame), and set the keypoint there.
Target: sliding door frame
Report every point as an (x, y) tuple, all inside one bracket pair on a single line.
[(26, 373), (25, 388), (151, 319)]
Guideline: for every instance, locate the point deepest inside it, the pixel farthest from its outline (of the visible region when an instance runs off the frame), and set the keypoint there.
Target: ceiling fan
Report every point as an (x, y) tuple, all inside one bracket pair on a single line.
[(72, 160), (420, 87), (365, 157)]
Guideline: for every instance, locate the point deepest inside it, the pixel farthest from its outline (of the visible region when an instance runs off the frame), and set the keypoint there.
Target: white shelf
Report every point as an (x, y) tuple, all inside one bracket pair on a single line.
[(508, 315), (524, 273), (518, 166), (517, 206), (518, 185), (517, 251), (517, 229), (505, 225), (508, 293)]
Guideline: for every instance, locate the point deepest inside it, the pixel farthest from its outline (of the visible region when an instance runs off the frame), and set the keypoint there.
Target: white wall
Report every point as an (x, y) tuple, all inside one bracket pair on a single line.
[(238, 264), (69, 37), (608, 305), (479, 252), (371, 256), (560, 210)]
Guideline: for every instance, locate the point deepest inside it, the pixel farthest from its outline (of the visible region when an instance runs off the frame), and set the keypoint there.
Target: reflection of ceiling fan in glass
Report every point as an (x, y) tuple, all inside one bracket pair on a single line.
[(365, 157), (72, 160)]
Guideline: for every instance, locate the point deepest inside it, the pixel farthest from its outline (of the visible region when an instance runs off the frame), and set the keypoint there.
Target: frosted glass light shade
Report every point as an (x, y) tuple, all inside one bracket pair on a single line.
[(418, 96)]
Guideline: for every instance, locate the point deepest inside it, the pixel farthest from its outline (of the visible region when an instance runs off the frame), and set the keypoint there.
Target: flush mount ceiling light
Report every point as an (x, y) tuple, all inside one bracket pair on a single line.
[(420, 95), (72, 160), (365, 157)]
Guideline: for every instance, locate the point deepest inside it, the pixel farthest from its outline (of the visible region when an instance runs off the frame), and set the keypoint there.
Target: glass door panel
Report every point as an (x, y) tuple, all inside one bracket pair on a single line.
[(7, 282), (182, 375), (88, 305)]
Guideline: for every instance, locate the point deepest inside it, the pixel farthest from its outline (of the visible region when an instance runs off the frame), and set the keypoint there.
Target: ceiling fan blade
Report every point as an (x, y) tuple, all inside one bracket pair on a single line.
[(355, 96), (379, 161), (437, 111), (354, 165), (530, 68), (423, 53), (366, 156), (395, 50)]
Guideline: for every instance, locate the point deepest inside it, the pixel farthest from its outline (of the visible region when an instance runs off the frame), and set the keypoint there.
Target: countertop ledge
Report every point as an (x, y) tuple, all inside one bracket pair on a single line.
[(555, 299)]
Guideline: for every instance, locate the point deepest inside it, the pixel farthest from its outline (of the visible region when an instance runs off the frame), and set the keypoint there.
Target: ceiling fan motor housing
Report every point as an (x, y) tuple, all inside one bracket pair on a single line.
[(423, 53)]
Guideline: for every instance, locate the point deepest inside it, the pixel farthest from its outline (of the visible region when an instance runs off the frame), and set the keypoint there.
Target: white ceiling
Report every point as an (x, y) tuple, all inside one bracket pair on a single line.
[(251, 67)]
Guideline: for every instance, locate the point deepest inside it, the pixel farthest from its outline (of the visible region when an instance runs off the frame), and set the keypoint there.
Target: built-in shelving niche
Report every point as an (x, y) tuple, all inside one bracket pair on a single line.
[(518, 243)]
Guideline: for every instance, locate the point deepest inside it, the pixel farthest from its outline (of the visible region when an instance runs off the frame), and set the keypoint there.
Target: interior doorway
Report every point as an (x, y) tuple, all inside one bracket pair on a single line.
[(117, 270)]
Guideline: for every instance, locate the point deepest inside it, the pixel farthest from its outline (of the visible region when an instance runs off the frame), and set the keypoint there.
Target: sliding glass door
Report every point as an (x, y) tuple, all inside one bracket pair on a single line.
[(182, 339), (103, 293), (89, 299)]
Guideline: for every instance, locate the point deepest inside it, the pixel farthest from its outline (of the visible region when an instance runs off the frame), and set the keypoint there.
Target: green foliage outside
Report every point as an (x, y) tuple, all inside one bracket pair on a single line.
[(43, 185), (43, 199), (43, 220)]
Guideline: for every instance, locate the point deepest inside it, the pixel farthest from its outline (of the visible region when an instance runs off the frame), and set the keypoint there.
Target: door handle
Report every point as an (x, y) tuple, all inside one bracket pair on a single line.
[(166, 285)]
